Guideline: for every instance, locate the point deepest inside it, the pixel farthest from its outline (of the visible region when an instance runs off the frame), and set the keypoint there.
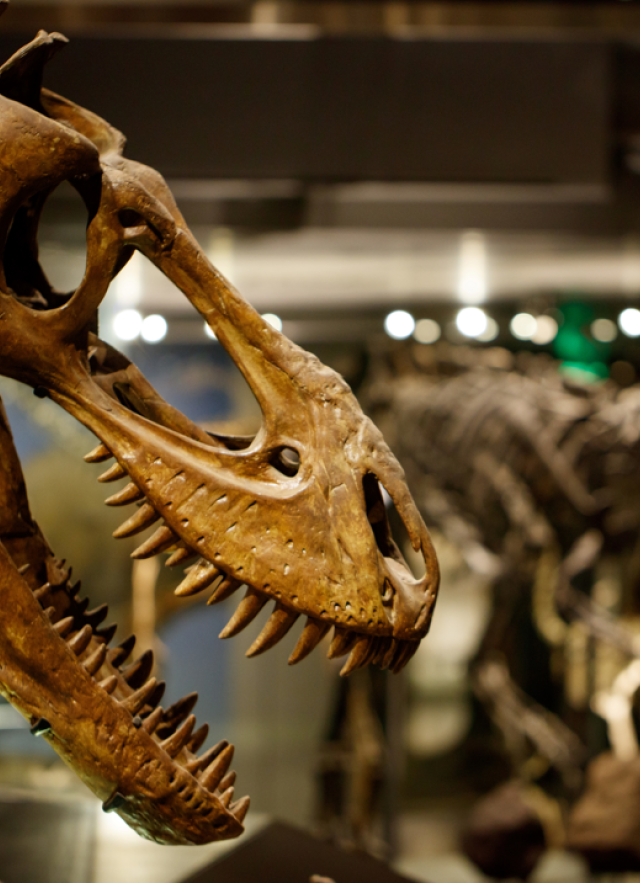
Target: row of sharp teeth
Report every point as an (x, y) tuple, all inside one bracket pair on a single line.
[(386, 652), (174, 728)]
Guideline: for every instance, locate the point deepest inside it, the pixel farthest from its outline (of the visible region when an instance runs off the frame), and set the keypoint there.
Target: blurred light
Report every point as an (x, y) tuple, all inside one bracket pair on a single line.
[(222, 252), (426, 331), (399, 324), (491, 332), (273, 320), (154, 328), (472, 322), (127, 324), (629, 322), (604, 330), (472, 268), (209, 331), (523, 326), (546, 330), (128, 283)]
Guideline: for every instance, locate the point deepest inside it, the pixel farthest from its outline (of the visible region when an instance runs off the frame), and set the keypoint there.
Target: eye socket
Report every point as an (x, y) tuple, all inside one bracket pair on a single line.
[(130, 218), (286, 460)]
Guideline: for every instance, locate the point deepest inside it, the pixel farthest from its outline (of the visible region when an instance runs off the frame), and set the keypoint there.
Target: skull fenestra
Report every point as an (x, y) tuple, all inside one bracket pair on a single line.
[(294, 515)]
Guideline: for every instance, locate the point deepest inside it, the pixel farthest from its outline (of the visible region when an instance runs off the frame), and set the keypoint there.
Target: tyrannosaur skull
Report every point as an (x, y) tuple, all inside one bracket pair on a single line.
[(296, 514)]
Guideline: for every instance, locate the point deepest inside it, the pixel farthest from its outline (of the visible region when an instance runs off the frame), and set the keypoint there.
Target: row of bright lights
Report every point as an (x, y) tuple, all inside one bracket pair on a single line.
[(473, 322), (129, 325)]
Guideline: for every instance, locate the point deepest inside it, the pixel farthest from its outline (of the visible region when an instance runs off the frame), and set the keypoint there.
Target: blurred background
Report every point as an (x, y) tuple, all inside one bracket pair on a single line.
[(408, 190)]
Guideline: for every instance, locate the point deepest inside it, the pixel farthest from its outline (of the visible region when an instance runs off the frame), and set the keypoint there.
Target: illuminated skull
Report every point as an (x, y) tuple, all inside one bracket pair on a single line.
[(296, 515)]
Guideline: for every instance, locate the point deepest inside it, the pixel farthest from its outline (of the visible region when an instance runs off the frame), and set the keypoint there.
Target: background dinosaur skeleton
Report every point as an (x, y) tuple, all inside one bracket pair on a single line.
[(295, 514), (533, 476)]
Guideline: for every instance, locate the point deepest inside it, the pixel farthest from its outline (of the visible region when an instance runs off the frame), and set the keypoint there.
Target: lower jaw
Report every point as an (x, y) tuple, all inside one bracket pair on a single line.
[(106, 730)]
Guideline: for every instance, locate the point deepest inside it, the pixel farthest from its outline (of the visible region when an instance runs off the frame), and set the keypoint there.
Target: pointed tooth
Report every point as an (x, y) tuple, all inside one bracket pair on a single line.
[(150, 723), (80, 640), (409, 650), (198, 578), (81, 607), (246, 612), (98, 455), (240, 808), (137, 700), (215, 772), (157, 694), (141, 519), (175, 743), (228, 781), (160, 541), (109, 684), (137, 673), (201, 763), (179, 710), (65, 626), (41, 592), (276, 628), (107, 632), (114, 473), (381, 651), (226, 797), (389, 654), (94, 662), (22, 570), (96, 616), (181, 554), (343, 641), (50, 613), (224, 590), (311, 635), (122, 652), (375, 644), (129, 494), (357, 656), (198, 739)]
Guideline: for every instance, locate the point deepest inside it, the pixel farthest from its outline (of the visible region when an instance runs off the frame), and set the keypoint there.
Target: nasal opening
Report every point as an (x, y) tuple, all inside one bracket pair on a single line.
[(388, 527)]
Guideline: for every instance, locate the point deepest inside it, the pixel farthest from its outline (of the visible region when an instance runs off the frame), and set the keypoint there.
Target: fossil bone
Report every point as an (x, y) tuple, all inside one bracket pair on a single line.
[(296, 514)]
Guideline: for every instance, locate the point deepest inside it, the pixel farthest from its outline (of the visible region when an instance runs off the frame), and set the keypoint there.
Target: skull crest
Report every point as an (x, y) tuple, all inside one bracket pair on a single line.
[(295, 515)]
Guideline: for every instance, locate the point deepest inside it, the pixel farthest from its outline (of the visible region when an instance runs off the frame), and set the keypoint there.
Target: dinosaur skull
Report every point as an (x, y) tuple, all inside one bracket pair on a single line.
[(296, 514)]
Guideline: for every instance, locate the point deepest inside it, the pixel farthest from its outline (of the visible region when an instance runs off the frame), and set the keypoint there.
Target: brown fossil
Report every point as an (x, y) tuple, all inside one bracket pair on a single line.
[(296, 514)]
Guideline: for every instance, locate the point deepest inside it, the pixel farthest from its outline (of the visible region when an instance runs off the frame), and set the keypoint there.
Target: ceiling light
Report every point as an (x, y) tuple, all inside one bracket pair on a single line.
[(273, 320), (399, 324), (604, 330), (472, 268), (426, 331), (629, 322), (127, 324), (546, 330), (523, 326), (154, 328), (128, 283), (491, 332), (472, 321)]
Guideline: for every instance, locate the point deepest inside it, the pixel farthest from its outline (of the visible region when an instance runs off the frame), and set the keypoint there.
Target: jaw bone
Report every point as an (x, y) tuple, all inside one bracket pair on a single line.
[(102, 717)]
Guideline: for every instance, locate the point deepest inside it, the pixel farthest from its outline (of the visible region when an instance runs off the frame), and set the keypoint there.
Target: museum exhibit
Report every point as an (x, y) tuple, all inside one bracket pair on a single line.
[(337, 303)]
